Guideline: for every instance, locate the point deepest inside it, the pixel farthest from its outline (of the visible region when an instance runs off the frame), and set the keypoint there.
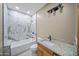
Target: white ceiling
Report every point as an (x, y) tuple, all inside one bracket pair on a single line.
[(24, 7)]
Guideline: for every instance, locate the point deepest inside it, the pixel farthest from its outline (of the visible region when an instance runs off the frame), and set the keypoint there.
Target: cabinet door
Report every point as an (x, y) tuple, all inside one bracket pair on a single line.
[(46, 53), (43, 51), (39, 53)]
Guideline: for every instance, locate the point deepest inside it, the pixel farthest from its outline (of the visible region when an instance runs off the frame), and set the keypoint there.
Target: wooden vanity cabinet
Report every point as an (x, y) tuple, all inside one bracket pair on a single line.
[(43, 51)]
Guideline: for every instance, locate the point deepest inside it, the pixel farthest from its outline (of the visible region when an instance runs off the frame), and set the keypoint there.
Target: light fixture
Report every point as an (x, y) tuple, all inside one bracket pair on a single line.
[(28, 12), (56, 8), (17, 7)]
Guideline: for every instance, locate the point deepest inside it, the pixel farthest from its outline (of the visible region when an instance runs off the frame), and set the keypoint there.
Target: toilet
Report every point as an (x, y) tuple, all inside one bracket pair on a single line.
[(33, 48)]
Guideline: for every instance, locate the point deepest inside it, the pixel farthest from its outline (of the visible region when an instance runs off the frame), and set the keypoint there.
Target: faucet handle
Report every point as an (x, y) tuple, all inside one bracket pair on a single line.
[(49, 37)]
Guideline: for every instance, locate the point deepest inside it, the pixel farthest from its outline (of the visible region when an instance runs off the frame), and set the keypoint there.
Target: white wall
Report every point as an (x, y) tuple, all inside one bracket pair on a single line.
[(5, 25), (61, 26)]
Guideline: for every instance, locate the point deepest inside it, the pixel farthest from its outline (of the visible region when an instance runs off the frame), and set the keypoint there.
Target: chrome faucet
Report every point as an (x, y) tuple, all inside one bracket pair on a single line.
[(49, 37)]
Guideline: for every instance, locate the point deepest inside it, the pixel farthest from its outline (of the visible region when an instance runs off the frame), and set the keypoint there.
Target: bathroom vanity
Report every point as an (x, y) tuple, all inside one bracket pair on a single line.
[(44, 51), (55, 48)]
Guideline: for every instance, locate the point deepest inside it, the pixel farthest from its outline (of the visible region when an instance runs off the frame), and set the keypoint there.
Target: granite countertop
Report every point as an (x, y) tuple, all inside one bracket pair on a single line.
[(59, 47)]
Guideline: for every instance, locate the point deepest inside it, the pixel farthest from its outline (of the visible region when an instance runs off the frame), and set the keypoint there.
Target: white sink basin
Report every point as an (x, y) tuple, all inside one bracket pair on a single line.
[(48, 43)]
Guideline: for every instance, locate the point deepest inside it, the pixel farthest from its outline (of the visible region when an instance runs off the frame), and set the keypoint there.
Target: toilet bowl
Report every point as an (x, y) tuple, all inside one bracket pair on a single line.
[(33, 48)]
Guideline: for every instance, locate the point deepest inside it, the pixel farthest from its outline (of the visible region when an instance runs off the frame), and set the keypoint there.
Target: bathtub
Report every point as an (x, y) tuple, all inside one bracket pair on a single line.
[(17, 47)]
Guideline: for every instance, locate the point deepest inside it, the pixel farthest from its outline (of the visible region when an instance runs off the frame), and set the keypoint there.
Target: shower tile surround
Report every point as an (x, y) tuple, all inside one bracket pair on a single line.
[(19, 26)]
